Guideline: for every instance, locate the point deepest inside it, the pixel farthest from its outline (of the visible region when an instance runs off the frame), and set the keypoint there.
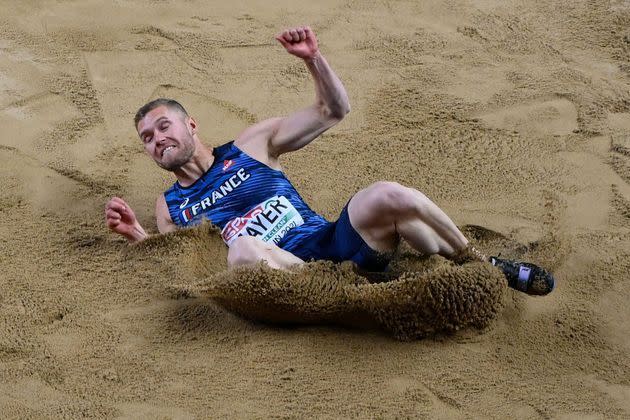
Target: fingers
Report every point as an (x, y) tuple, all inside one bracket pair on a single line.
[(282, 41), (112, 218), (112, 215), (301, 33), (117, 206), (113, 223), (290, 35), (116, 209), (117, 202), (293, 35)]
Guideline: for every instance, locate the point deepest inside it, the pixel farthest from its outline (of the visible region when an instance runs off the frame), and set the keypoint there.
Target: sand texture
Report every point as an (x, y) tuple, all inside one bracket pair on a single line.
[(410, 306), (513, 116)]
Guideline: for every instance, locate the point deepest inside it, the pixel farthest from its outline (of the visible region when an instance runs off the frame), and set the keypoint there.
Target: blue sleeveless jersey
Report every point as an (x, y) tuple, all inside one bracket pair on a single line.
[(243, 196)]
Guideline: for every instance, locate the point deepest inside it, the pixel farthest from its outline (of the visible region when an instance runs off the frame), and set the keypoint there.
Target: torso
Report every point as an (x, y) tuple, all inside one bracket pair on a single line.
[(243, 196)]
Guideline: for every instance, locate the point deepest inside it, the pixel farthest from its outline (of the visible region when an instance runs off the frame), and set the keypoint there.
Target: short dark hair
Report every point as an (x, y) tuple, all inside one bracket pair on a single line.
[(150, 106)]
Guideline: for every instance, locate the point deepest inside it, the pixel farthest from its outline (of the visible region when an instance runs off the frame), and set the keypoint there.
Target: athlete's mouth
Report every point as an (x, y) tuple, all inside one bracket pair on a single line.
[(166, 149)]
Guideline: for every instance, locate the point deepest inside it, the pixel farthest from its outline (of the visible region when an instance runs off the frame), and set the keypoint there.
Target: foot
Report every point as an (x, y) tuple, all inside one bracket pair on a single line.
[(525, 277)]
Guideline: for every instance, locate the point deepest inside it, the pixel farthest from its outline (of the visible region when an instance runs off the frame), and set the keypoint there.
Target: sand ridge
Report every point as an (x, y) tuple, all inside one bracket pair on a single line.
[(413, 306), (512, 116)]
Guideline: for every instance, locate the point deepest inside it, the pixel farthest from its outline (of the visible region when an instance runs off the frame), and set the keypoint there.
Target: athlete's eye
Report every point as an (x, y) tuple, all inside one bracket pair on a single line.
[(164, 126), (146, 139)]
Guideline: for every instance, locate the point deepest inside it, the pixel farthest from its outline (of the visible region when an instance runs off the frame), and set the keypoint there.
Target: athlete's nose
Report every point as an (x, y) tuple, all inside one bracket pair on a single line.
[(160, 137)]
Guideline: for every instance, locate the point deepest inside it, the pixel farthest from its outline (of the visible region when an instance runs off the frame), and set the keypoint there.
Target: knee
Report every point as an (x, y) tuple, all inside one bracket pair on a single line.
[(395, 198), (245, 250)]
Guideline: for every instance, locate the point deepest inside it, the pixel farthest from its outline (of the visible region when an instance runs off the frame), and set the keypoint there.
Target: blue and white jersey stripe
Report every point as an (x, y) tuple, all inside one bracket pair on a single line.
[(243, 196)]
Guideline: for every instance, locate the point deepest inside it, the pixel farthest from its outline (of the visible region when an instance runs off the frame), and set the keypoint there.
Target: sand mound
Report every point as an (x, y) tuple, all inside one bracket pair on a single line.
[(443, 300), (319, 292), (412, 306)]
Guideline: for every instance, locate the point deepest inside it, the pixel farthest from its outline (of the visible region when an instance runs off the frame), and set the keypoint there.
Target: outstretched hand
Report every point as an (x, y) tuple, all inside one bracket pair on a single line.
[(300, 42), (122, 220)]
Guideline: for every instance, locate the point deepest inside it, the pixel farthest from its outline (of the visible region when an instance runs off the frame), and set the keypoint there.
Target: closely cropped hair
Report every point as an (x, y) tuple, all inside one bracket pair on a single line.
[(150, 106)]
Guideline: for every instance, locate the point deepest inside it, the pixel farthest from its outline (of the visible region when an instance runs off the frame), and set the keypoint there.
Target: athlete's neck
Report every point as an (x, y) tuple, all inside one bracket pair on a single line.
[(194, 169)]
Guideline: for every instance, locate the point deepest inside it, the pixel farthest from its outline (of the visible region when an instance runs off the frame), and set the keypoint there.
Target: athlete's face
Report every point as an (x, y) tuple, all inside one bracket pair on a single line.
[(167, 136)]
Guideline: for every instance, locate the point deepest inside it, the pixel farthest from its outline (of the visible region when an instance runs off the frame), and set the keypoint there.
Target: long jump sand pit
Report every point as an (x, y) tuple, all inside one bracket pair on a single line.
[(512, 116), (411, 306)]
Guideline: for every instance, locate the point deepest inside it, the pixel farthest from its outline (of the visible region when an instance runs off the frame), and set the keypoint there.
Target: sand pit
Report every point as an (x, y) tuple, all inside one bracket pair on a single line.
[(412, 306), (512, 116)]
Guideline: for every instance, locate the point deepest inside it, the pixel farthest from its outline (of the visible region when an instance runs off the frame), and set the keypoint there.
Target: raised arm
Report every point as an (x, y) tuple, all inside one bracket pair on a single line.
[(275, 136)]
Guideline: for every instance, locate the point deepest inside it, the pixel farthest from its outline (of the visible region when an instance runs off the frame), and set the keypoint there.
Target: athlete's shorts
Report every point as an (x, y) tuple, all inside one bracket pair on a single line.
[(337, 242)]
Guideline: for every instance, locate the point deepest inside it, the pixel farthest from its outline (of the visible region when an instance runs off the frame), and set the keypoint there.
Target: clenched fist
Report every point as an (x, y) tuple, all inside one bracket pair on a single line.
[(299, 41)]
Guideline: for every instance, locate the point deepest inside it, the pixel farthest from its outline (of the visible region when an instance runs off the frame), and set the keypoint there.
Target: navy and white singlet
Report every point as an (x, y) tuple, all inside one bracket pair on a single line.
[(243, 196)]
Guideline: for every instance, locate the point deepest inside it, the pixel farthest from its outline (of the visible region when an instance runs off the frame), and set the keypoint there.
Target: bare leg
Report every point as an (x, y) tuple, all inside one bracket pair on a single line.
[(381, 214), (386, 211), (248, 250)]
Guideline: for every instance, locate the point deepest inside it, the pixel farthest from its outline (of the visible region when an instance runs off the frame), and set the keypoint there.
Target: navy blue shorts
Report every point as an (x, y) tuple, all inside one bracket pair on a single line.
[(337, 242)]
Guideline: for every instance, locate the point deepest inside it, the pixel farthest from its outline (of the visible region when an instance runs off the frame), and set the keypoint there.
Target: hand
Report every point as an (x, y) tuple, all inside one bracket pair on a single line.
[(122, 220), (300, 42)]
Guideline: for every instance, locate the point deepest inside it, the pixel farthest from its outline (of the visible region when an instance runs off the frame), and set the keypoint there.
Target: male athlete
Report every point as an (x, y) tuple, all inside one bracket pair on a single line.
[(240, 187)]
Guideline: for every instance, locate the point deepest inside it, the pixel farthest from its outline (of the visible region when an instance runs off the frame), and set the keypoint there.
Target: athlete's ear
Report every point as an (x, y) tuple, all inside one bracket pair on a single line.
[(193, 125)]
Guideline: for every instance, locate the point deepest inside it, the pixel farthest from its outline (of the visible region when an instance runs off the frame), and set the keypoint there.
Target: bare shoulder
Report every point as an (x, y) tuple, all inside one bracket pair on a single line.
[(163, 217), (255, 141)]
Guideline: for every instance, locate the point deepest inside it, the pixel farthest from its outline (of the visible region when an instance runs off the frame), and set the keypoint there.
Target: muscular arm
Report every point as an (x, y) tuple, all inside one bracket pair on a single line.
[(270, 138)]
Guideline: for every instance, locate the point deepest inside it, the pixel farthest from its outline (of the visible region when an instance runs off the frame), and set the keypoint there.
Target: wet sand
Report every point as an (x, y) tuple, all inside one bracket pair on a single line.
[(513, 116)]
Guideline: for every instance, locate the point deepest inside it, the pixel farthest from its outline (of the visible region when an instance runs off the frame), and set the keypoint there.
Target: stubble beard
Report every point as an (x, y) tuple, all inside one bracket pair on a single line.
[(184, 155)]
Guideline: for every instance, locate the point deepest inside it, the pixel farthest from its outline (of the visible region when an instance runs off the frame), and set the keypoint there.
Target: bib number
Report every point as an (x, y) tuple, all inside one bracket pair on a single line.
[(268, 221)]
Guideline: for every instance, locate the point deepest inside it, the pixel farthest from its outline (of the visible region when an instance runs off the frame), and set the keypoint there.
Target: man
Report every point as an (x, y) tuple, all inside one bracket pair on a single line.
[(241, 188)]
